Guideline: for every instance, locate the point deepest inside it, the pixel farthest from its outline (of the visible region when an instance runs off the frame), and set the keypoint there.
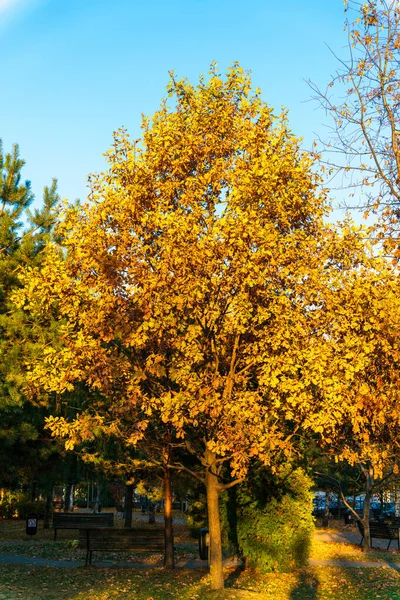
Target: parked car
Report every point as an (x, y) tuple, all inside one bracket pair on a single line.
[(318, 507), (387, 510), (378, 511), (337, 509), (334, 506)]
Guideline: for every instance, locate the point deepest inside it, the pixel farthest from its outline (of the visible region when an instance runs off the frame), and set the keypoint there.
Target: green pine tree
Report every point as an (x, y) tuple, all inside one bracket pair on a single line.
[(23, 234)]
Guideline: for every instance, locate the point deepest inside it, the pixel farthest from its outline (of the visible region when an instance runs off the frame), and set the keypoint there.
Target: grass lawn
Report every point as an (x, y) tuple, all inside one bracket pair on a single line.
[(52, 583), (28, 582)]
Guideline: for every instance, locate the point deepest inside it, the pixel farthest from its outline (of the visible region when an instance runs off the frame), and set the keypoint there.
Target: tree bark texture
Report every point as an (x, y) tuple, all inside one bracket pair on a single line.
[(47, 511), (152, 512), (367, 506), (33, 490), (67, 497), (128, 505), (169, 534), (96, 506), (214, 523)]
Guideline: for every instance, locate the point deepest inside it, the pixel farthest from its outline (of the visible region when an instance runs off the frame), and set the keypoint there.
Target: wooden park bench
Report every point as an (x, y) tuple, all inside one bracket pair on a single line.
[(81, 521), (381, 531), (121, 540)]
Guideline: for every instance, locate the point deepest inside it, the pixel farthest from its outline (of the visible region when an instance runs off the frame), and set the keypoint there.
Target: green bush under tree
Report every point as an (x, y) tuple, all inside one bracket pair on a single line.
[(274, 522)]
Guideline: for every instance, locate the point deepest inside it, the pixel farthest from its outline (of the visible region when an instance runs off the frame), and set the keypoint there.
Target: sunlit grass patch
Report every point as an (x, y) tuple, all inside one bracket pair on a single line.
[(324, 583), (356, 583)]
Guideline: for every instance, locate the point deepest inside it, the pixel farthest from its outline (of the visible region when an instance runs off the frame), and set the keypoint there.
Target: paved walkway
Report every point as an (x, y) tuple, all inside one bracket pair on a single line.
[(354, 564), (46, 562), (343, 537), (191, 564), (349, 537), (42, 562)]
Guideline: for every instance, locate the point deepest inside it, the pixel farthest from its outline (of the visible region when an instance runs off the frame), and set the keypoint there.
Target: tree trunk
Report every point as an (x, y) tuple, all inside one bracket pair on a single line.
[(71, 497), (67, 497), (325, 518), (97, 506), (47, 510), (33, 490), (367, 505), (169, 534), (152, 512), (381, 497), (214, 523), (128, 505)]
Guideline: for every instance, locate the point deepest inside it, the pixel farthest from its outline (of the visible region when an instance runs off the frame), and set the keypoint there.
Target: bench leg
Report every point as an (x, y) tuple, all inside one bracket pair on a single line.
[(55, 534)]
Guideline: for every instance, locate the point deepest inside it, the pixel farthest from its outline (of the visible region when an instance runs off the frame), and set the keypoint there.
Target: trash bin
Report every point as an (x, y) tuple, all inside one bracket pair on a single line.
[(348, 518), (31, 524), (204, 541)]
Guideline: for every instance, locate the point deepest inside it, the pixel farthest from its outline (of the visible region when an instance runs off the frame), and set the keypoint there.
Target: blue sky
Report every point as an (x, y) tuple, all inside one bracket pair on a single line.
[(74, 71)]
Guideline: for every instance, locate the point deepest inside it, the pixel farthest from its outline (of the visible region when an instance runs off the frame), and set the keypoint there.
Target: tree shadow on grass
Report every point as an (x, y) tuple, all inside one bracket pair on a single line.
[(234, 576), (306, 587)]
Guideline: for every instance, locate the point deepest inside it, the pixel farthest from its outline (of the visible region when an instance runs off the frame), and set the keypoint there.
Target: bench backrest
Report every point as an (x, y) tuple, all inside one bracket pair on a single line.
[(379, 530), (84, 520), (138, 540), (383, 530)]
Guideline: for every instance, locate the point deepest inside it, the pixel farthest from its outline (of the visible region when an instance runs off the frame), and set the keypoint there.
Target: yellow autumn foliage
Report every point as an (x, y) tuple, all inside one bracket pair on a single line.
[(201, 286)]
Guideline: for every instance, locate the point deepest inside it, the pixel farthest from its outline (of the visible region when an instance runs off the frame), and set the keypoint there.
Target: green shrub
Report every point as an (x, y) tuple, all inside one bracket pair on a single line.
[(277, 537), (24, 508), (229, 515), (16, 505), (197, 515), (8, 504)]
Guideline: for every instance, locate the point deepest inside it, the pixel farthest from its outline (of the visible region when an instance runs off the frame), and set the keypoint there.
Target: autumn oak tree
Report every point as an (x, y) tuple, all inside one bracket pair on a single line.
[(360, 423), (189, 290), (363, 101)]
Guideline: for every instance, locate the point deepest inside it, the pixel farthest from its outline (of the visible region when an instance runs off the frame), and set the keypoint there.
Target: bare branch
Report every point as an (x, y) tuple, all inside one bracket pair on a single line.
[(227, 486), (180, 467)]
